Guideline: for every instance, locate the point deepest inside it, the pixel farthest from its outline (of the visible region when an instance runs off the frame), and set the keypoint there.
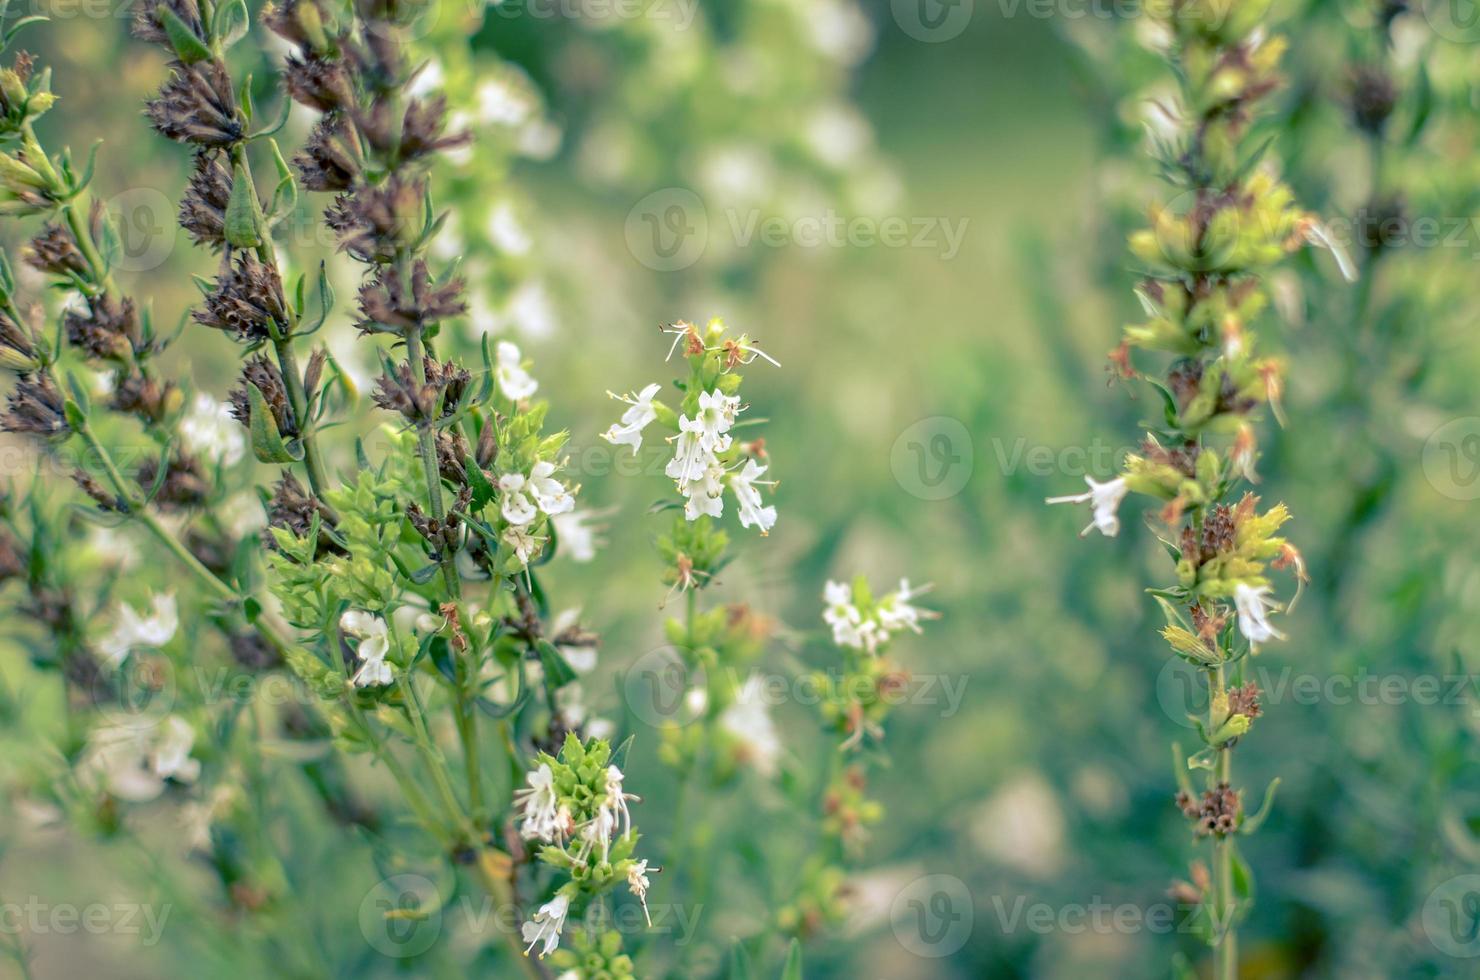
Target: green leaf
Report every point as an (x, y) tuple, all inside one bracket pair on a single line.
[(243, 212), (793, 968), (739, 962), (188, 47), (231, 22), (267, 442), (285, 195), (1253, 823), (558, 671), (482, 489)]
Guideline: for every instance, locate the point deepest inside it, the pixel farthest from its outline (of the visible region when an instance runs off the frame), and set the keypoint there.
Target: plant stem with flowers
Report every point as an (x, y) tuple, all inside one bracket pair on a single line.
[(1204, 257)]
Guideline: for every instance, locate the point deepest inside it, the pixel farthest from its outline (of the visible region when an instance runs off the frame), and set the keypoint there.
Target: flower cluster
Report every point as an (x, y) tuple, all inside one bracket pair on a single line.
[(576, 806), (1205, 255), (864, 623), (707, 458)]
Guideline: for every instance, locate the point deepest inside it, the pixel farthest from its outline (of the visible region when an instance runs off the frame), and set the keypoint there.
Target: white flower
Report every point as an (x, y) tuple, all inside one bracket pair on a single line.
[(517, 508), (539, 815), (133, 761), (131, 630), (525, 545), (1252, 609), (546, 925), (638, 881), (895, 611), (716, 415), (549, 493), (705, 495), (751, 511), (748, 720), (375, 644), (576, 535), (842, 615), (116, 761), (691, 457), (1105, 499), (628, 432), (209, 430), (170, 758), (513, 380)]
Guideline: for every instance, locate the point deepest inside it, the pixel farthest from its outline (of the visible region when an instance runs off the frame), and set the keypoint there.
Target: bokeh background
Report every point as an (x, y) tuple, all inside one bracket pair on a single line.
[(930, 396)]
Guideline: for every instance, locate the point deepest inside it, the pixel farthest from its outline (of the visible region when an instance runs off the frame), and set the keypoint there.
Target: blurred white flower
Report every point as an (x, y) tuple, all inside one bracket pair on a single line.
[(1253, 607), (748, 720), (513, 380), (210, 431), (506, 232), (1104, 499), (132, 630), (576, 537), (1022, 826)]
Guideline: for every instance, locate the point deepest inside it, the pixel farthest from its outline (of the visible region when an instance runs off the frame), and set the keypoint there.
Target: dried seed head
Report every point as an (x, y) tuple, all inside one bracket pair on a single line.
[(328, 161), (203, 208), (1372, 97), (387, 306), (1245, 701), (249, 649), (248, 299), (299, 22), (184, 485), (422, 403), (106, 328), (148, 24), (34, 408), (487, 450), (1215, 813), (318, 83), (293, 510), (17, 349), (421, 129), (54, 250), (373, 222), (197, 105), (264, 375), (135, 394), (452, 450)]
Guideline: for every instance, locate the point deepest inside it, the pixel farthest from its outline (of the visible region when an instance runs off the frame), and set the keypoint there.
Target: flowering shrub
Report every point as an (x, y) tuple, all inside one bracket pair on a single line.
[(401, 594)]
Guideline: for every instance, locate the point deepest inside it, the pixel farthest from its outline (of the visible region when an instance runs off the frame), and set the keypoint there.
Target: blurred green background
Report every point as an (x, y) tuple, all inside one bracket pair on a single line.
[(924, 408)]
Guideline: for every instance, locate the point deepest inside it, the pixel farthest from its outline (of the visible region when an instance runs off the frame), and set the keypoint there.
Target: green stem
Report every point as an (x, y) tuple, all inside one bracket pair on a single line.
[(287, 360), (138, 511), (1227, 947), (427, 449)]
